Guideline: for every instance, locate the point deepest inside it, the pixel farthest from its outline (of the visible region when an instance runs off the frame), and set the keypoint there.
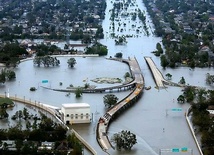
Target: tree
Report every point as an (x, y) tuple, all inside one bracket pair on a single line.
[(78, 92), (86, 85), (25, 113), (46, 61), (164, 61), (110, 99), (71, 62), (2, 76), (127, 74), (74, 143), (209, 79), (19, 144), (159, 48), (97, 48), (169, 76), (10, 53), (121, 40), (201, 95), (119, 55), (10, 74), (189, 93), (182, 81), (37, 61), (124, 139), (181, 99), (3, 113), (66, 47)]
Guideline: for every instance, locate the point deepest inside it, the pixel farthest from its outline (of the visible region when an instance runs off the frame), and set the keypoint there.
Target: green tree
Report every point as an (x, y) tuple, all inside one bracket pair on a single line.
[(159, 48), (209, 79), (182, 81), (124, 140), (164, 61), (127, 74), (97, 48), (25, 113), (110, 100), (86, 85), (37, 61), (10, 74), (19, 144), (15, 133), (78, 92), (121, 40), (189, 93), (71, 62), (3, 113), (74, 143), (2, 76), (46, 61), (66, 47), (181, 99), (119, 55), (10, 53), (169, 76)]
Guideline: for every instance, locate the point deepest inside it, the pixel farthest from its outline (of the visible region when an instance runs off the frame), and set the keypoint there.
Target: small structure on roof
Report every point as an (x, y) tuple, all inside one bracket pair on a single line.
[(73, 113), (46, 146)]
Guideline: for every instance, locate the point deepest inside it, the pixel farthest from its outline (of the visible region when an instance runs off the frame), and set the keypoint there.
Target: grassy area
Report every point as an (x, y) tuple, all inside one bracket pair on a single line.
[(7, 101)]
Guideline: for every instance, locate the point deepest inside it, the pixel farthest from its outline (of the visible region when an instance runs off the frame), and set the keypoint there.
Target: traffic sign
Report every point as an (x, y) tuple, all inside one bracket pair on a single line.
[(44, 81), (175, 150), (184, 149), (176, 109)]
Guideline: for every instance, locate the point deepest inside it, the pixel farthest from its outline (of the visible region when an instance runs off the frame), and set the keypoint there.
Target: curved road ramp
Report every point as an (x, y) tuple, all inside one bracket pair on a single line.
[(157, 75), (104, 121)]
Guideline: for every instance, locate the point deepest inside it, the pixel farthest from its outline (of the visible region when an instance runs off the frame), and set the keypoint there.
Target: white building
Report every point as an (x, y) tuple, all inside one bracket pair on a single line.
[(76, 113)]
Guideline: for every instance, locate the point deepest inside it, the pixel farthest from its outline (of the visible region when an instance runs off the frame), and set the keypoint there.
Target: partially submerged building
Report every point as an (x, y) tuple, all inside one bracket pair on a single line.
[(73, 113)]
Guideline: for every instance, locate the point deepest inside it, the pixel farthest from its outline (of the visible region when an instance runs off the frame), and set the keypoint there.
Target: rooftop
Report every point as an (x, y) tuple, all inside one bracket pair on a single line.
[(75, 105)]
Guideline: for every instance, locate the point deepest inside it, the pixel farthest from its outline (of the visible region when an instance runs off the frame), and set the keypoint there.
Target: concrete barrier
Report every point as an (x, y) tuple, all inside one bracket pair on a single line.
[(192, 131)]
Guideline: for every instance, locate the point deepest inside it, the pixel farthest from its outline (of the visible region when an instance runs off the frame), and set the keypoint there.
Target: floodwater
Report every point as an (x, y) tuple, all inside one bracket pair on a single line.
[(157, 127)]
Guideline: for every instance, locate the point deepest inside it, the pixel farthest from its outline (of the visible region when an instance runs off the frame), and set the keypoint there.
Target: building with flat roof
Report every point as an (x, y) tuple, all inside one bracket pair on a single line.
[(73, 113)]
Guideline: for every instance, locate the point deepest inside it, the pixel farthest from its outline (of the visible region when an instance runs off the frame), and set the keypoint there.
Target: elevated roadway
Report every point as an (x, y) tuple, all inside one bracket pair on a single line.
[(158, 77), (129, 100), (136, 74)]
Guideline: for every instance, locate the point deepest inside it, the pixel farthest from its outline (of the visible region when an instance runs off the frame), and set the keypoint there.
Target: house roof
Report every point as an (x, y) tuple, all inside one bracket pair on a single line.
[(75, 105)]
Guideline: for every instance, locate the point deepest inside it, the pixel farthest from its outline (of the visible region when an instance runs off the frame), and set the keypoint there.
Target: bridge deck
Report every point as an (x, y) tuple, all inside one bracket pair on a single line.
[(158, 77), (103, 123)]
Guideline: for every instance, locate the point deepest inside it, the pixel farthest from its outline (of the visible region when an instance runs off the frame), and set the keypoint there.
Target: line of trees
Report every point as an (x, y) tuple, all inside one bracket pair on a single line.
[(46, 61), (201, 100), (41, 129), (11, 53), (97, 48)]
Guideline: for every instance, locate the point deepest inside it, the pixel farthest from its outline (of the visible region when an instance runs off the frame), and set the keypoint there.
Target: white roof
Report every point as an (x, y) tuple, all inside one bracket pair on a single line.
[(211, 111), (75, 105)]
